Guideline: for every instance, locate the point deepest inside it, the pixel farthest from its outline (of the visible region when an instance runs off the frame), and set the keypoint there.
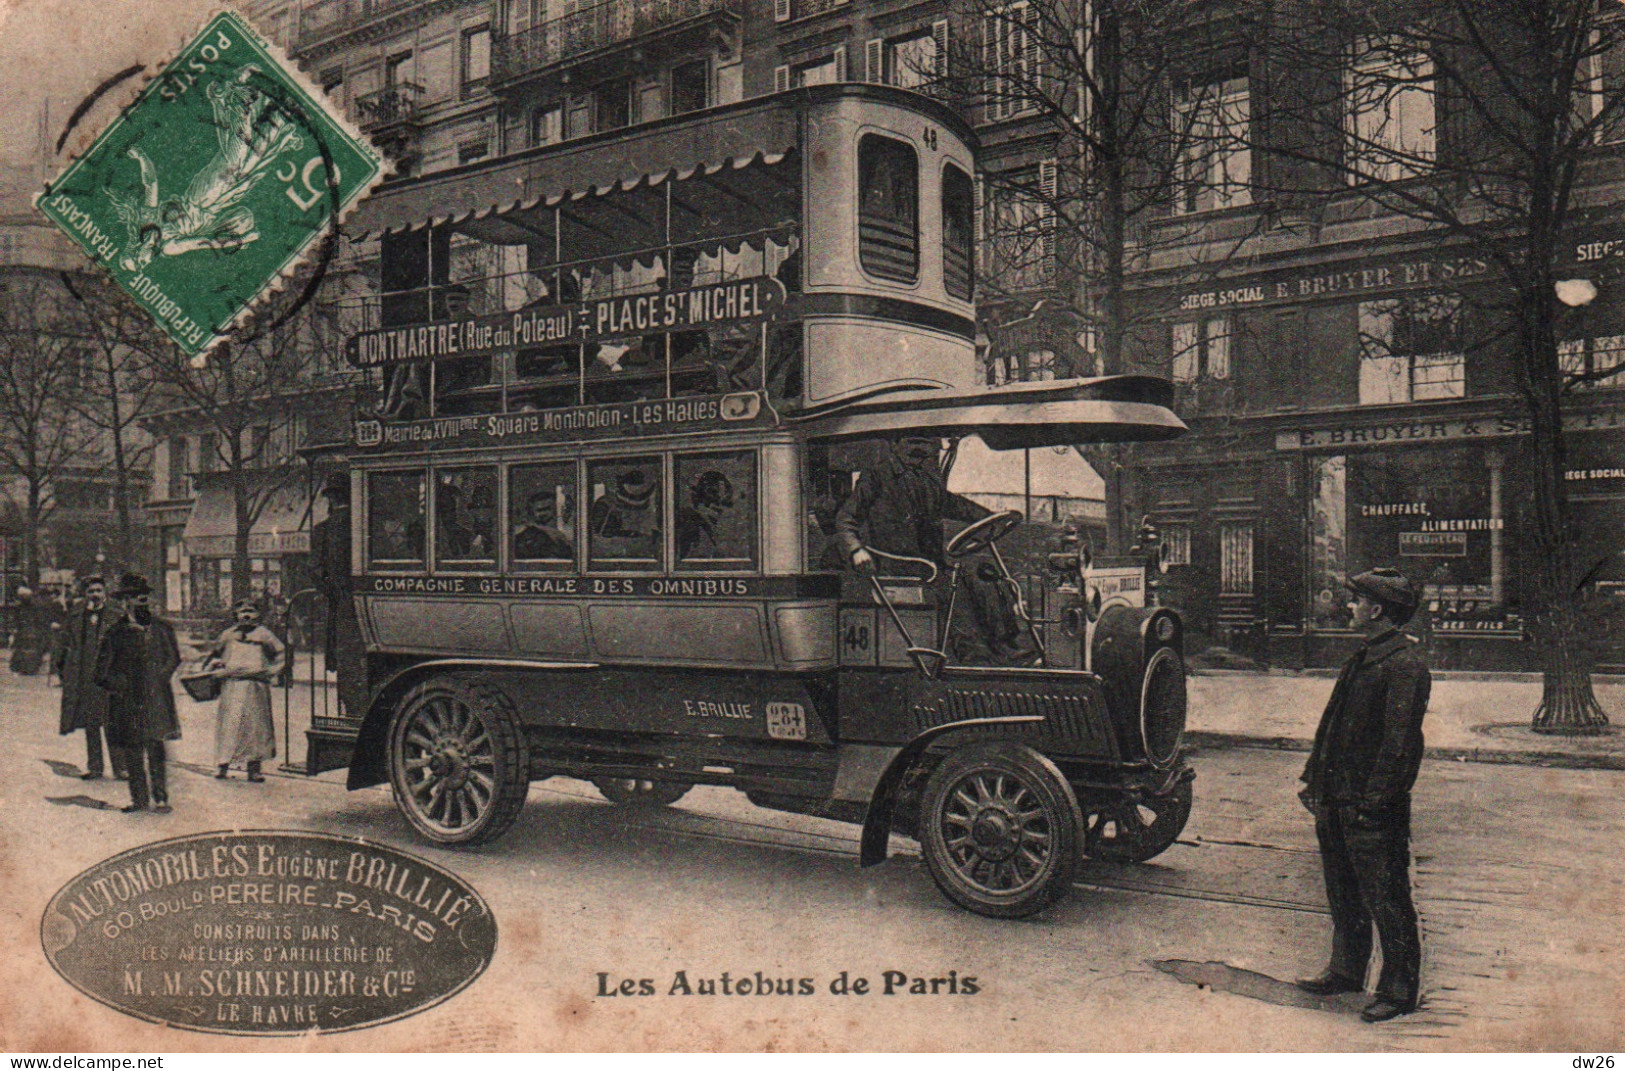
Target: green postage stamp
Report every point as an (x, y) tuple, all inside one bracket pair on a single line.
[(212, 184)]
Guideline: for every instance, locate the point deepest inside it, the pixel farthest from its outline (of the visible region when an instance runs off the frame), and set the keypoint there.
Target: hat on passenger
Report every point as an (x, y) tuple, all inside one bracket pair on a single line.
[(132, 584), (1387, 585), (633, 488)]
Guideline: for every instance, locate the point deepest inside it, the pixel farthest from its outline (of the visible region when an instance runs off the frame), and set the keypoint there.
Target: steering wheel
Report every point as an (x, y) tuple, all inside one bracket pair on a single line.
[(982, 534)]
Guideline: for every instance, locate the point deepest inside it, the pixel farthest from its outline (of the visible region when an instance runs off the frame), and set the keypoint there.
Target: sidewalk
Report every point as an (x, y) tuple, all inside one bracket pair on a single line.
[(1471, 717)]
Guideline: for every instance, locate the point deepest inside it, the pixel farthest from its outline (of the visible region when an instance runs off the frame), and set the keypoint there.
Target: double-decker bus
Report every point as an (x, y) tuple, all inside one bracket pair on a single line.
[(626, 388)]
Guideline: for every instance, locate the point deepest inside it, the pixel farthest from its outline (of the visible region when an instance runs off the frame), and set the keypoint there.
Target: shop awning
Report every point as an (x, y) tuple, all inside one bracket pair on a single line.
[(624, 159), (1108, 409), (283, 526)]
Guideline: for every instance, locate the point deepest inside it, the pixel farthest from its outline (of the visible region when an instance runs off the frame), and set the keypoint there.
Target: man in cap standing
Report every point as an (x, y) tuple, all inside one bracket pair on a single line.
[(137, 660), (1358, 786)]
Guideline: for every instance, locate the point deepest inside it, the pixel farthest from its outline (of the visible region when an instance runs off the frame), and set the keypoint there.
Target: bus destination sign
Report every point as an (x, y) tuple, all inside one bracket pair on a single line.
[(579, 423), (737, 301)]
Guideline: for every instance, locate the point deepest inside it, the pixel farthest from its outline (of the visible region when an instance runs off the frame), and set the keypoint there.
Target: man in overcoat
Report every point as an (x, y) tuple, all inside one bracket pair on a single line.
[(84, 702), (137, 661), (1358, 786)]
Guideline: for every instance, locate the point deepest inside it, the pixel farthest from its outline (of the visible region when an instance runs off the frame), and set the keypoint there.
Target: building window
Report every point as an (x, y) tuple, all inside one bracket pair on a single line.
[(1201, 350), (1176, 544), (542, 517), (1236, 558), (716, 511), (1020, 225), (1390, 130), (1212, 123), (1411, 350), (888, 208), (1011, 54), (1590, 363), (472, 152), (396, 70), (911, 61), (180, 465), (612, 104), (958, 233), (1021, 366), (396, 508), (333, 83), (547, 125), (690, 87), (818, 72), (476, 60), (624, 520)]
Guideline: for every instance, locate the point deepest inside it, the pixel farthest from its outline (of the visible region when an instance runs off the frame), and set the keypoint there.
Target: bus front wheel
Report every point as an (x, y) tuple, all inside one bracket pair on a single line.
[(1000, 830), (457, 761)]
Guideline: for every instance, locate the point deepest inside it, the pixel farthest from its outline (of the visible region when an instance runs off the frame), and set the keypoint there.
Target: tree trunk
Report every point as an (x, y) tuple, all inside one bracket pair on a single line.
[(36, 516), (242, 584), (121, 470)]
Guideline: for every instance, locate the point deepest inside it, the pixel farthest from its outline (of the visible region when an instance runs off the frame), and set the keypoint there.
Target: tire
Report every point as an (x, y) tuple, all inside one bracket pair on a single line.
[(1130, 831), (457, 761), (641, 791), (1000, 829)]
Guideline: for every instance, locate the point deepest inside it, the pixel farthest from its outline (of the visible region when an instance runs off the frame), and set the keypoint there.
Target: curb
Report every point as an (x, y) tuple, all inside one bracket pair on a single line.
[(1200, 738)]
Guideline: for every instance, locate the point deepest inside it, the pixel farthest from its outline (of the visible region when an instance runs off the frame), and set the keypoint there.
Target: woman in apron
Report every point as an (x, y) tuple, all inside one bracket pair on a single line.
[(250, 657)]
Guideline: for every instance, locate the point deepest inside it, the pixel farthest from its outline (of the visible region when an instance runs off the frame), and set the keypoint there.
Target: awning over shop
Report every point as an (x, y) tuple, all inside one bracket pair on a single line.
[(283, 526), (1108, 409), (648, 155)]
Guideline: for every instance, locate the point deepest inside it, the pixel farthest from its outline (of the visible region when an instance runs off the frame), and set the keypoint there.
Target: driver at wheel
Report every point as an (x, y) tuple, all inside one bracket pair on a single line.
[(898, 507)]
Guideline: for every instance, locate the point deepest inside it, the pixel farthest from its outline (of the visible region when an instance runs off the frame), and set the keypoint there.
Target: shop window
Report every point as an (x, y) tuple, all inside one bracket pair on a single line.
[(1439, 515), (1211, 127), (542, 517), (716, 512), (465, 507), (1176, 544), (888, 208), (1235, 558), (396, 508), (624, 520), (476, 60), (1411, 350), (1590, 363), (1390, 126), (690, 87), (1201, 349), (958, 230)]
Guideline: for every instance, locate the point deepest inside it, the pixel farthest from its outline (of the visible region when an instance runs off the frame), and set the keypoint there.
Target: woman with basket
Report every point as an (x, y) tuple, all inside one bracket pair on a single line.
[(248, 658)]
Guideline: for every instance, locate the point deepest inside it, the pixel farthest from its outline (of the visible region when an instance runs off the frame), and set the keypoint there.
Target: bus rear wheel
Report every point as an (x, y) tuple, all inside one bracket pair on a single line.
[(641, 791), (1000, 830), (457, 761)]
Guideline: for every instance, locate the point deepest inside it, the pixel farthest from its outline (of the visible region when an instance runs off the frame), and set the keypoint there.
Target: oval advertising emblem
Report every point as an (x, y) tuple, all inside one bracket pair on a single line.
[(268, 932)]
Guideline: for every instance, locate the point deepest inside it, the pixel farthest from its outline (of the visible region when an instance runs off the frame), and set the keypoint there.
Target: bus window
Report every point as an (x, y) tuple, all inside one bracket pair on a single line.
[(623, 522), (958, 223), (888, 208), (395, 520), (716, 513), (465, 507), (542, 516)]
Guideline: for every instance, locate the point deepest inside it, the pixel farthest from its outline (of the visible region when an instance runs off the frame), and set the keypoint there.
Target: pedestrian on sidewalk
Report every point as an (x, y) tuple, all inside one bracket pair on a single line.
[(84, 702), (136, 665), (1357, 784), (251, 657), (30, 634)]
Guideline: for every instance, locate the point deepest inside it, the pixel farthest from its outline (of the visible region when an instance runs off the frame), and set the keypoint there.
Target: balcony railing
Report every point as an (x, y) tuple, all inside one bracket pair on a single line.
[(391, 106), (325, 18), (592, 29)]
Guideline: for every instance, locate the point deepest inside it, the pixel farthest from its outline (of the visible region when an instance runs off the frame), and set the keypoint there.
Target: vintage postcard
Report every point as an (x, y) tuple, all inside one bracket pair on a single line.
[(832, 525)]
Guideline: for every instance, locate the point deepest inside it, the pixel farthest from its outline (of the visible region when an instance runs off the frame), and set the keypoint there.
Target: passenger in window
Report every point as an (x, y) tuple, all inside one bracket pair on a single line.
[(627, 515), (540, 538), (711, 496)]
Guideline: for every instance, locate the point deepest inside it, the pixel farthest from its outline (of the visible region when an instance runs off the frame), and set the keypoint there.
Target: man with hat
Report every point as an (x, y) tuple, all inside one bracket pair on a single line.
[(1358, 786), (137, 661), (84, 703)]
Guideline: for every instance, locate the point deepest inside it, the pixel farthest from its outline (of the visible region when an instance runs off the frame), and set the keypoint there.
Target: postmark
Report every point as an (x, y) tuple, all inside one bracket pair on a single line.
[(213, 184), (268, 932)]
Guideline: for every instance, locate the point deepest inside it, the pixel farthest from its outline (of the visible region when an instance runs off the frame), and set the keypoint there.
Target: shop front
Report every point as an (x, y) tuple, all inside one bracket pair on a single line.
[(199, 565)]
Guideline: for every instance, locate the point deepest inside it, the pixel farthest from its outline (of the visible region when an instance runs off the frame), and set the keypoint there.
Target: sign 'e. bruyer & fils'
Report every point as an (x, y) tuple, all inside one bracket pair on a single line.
[(1408, 431), (737, 301)]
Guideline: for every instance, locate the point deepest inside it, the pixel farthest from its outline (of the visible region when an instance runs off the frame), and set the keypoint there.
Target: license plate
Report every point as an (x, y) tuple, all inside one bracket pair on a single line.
[(787, 721)]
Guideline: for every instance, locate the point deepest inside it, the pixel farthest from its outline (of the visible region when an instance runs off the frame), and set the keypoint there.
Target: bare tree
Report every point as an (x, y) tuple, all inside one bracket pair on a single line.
[(1134, 144), (1478, 123), (43, 367), (254, 395)]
